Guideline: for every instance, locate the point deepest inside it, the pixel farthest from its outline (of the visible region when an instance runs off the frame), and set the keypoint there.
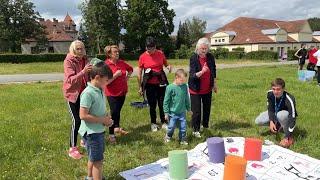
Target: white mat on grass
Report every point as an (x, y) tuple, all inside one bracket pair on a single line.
[(278, 164)]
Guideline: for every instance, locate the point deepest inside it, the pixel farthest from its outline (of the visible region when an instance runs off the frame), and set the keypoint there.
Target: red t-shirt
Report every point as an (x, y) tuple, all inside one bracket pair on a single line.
[(154, 61), (312, 59), (119, 86), (205, 87)]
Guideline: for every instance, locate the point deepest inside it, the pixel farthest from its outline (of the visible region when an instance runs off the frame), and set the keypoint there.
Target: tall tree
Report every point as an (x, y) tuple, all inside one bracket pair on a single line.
[(196, 28), (314, 23), (102, 22), (144, 18), (83, 36), (183, 36), (18, 22)]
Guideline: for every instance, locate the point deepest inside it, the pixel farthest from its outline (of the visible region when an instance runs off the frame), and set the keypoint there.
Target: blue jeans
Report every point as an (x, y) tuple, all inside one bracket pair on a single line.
[(180, 121)]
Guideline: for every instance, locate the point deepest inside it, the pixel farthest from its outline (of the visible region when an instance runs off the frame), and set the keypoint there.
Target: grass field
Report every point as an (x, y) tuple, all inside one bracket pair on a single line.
[(35, 125), (57, 67)]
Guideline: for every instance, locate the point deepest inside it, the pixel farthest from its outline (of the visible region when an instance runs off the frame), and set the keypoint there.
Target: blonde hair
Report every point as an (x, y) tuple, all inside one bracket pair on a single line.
[(181, 73), (72, 48), (107, 50), (202, 41)]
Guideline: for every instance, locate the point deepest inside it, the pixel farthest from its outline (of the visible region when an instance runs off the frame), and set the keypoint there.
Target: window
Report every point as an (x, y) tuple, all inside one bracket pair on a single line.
[(219, 40), (216, 40), (51, 50), (271, 49), (288, 48), (222, 40)]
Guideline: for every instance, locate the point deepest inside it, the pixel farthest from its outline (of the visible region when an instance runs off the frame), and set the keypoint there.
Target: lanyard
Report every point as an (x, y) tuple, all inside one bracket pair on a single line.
[(277, 106)]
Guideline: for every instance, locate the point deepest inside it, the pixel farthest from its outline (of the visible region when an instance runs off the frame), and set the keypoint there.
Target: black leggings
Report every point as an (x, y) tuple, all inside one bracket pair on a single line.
[(155, 95), (196, 101), (73, 109), (115, 103)]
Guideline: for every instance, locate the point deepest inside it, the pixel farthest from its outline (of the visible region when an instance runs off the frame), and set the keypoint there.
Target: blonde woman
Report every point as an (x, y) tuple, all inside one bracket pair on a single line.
[(117, 88), (76, 70)]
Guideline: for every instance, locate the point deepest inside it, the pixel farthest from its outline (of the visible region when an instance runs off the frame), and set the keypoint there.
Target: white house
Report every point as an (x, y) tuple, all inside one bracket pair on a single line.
[(254, 34)]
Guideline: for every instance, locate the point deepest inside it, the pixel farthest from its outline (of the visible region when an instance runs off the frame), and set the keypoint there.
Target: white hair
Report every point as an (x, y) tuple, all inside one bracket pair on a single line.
[(202, 41), (72, 48)]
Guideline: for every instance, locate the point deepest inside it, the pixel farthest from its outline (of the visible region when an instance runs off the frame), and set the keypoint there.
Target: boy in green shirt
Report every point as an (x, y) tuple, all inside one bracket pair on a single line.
[(176, 103), (94, 117)]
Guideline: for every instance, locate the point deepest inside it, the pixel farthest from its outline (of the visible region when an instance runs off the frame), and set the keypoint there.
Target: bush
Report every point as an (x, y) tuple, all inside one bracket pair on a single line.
[(28, 58), (291, 56), (220, 53), (263, 55), (235, 55), (184, 52)]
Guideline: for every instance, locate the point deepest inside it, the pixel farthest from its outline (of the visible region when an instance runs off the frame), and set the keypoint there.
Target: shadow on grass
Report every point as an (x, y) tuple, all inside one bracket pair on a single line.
[(227, 125)]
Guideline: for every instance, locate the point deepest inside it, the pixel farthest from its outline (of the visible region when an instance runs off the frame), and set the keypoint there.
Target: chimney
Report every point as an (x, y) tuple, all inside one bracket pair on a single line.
[(55, 20)]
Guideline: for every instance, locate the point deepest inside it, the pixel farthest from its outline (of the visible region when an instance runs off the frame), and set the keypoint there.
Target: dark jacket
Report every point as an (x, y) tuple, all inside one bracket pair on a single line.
[(288, 103), (194, 67)]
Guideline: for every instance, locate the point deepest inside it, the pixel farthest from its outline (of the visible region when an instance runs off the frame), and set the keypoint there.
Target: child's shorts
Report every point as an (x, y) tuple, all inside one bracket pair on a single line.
[(95, 145)]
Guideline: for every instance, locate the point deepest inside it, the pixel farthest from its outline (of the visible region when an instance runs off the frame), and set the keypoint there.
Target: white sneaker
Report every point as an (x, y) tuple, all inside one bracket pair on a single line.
[(154, 127), (196, 134), (164, 126), (183, 142)]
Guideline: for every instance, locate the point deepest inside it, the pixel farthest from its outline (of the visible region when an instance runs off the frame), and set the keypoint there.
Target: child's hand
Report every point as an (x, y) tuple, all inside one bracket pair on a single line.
[(108, 121)]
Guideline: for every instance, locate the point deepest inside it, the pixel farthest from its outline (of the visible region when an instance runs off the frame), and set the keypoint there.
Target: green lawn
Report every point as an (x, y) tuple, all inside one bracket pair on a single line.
[(57, 67), (35, 125)]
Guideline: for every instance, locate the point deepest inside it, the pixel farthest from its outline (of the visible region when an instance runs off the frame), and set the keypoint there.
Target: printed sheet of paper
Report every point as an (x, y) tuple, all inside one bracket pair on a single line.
[(277, 163)]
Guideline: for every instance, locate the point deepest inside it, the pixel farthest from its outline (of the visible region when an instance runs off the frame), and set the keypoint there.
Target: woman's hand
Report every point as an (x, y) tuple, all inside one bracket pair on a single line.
[(117, 73), (215, 88), (140, 91), (87, 68)]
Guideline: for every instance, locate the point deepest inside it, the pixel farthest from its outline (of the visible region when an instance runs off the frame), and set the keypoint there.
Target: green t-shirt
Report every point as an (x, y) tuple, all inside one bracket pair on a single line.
[(177, 99), (93, 99)]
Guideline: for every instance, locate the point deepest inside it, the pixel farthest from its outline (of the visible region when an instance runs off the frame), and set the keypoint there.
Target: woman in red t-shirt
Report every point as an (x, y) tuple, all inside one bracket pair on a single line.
[(202, 80), (117, 88), (151, 62)]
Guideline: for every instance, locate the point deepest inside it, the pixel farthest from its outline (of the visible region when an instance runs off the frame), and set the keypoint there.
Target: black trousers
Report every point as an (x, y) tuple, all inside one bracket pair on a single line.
[(196, 101), (73, 109), (115, 103), (155, 95)]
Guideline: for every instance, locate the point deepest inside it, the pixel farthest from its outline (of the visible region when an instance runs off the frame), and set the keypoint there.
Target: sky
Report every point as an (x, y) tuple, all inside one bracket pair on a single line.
[(215, 12)]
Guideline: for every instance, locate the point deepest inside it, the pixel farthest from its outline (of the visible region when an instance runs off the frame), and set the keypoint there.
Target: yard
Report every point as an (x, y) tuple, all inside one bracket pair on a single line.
[(35, 124)]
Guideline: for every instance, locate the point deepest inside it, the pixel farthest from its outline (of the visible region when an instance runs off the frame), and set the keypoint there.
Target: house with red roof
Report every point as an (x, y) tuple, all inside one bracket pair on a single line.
[(254, 34), (60, 34)]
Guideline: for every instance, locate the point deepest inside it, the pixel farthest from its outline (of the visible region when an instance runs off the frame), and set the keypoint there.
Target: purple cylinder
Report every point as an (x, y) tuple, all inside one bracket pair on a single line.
[(216, 149)]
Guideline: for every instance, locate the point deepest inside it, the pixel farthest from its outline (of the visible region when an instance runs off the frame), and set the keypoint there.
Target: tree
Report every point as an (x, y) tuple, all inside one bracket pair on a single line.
[(18, 22), (196, 28), (83, 36), (144, 18), (102, 22), (314, 23), (183, 36)]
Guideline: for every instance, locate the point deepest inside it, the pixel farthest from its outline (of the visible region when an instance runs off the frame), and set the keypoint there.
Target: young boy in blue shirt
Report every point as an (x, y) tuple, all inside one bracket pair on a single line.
[(94, 118), (176, 103)]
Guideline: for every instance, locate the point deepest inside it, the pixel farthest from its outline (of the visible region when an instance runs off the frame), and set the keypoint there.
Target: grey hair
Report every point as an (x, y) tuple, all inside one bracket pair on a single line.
[(202, 41), (72, 48)]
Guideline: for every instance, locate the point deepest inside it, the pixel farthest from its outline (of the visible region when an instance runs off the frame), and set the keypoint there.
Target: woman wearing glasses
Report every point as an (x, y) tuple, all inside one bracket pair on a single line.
[(76, 70), (154, 80)]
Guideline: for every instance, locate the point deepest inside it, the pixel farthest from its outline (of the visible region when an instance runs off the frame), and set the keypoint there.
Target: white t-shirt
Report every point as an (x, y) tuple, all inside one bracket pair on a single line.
[(317, 55)]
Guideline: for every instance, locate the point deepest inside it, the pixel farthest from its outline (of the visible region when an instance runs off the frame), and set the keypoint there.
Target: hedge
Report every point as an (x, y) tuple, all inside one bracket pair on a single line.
[(263, 55), (291, 56), (28, 58)]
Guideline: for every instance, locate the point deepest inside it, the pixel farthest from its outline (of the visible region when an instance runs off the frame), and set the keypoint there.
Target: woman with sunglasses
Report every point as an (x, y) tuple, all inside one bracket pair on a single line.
[(154, 83)]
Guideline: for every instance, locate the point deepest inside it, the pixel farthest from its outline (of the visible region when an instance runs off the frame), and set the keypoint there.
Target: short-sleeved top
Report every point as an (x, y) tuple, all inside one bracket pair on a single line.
[(153, 61), (312, 59), (205, 87), (317, 55), (119, 86), (93, 99), (303, 53)]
